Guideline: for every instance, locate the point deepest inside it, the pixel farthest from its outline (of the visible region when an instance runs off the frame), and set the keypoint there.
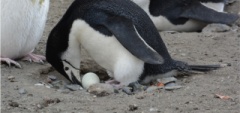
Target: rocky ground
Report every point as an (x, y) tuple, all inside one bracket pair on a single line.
[(22, 92)]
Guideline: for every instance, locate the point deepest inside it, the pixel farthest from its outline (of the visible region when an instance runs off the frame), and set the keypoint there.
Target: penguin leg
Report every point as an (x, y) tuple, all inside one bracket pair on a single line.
[(34, 58), (10, 61)]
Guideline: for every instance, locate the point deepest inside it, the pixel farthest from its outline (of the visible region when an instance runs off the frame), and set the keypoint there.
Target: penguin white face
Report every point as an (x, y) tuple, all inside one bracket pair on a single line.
[(72, 72)]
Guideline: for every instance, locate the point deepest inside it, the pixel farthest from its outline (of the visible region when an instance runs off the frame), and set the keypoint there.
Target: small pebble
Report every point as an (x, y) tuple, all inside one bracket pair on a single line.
[(64, 91), (133, 107), (11, 78), (74, 87), (13, 104), (216, 28), (39, 84), (52, 77), (172, 86), (39, 106), (59, 84), (153, 109), (141, 96), (101, 89), (151, 89), (167, 80), (16, 88), (22, 91), (127, 90)]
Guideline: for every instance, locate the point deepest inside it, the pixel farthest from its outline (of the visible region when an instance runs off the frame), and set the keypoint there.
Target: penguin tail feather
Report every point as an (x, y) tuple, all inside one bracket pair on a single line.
[(206, 68)]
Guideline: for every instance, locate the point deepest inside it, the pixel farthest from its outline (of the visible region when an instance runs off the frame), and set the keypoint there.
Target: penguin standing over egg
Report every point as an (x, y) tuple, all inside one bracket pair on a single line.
[(22, 25), (119, 36), (185, 15)]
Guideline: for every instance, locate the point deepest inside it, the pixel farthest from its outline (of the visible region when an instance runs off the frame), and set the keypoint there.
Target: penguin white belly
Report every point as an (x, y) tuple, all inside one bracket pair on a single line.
[(163, 24), (22, 23), (108, 53)]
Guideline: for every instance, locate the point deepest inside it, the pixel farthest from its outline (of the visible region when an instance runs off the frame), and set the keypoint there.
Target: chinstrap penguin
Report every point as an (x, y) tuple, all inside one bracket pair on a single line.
[(22, 26), (185, 15), (119, 36)]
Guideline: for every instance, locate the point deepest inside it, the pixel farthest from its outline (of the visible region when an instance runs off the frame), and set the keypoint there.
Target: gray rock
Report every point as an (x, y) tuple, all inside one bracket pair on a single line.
[(74, 87), (133, 107), (216, 28), (127, 90), (11, 78), (52, 77), (22, 91), (59, 84), (153, 109), (167, 80), (101, 89), (152, 89), (172, 86)]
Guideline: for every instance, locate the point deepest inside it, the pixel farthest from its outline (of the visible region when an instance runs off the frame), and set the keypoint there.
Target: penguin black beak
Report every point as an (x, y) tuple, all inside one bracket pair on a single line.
[(75, 80), (72, 73)]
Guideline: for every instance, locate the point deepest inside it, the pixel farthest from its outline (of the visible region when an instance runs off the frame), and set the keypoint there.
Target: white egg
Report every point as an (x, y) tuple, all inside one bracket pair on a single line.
[(89, 79)]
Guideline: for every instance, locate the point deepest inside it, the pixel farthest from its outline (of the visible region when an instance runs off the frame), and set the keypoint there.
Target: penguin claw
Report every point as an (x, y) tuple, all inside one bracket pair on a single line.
[(34, 58), (9, 61)]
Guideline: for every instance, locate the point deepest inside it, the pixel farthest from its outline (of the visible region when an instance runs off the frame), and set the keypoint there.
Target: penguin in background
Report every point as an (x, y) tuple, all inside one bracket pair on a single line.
[(185, 15), (22, 26), (119, 36)]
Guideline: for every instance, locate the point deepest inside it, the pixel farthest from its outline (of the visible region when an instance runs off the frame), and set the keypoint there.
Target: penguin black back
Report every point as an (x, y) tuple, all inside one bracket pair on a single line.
[(180, 11)]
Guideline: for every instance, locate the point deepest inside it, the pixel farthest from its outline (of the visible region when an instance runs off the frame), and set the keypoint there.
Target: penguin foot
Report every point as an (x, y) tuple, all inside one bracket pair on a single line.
[(34, 58), (10, 61)]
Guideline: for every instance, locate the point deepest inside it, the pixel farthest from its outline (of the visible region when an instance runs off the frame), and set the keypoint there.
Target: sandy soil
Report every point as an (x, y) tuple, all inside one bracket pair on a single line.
[(197, 95)]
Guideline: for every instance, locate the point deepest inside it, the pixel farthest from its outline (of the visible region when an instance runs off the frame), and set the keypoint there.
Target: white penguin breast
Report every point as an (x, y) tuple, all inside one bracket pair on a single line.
[(108, 52), (22, 23), (105, 50)]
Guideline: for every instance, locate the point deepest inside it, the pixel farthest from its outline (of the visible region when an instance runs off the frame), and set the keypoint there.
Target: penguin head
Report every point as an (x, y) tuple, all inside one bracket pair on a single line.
[(64, 55)]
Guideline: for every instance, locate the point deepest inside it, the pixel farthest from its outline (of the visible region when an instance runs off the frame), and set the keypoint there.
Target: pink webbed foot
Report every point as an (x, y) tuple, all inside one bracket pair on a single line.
[(34, 58), (9, 61)]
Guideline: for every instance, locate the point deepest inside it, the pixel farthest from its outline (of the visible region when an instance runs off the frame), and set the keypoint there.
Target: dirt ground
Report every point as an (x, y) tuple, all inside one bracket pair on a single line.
[(197, 95)]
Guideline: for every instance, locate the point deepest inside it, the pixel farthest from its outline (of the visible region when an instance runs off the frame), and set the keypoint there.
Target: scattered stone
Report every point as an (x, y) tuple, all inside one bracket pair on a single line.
[(151, 89), (136, 87), (216, 28), (64, 91), (30, 95), (153, 109), (172, 86), (52, 77), (127, 90), (22, 91), (47, 101), (13, 104), (101, 89), (11, 78), (167, 80), (16, 88), (39, 106), (74, 87), (39, 84), (49, 86), (141, 96), (133, 107), (59, 84)]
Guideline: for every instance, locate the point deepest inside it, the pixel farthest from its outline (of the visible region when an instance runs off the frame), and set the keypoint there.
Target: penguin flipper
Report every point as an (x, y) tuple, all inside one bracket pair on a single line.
[(200, 12), (126, 33)]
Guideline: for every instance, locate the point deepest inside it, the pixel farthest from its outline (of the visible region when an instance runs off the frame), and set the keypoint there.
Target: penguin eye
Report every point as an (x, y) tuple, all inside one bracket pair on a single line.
[(66, 68)]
